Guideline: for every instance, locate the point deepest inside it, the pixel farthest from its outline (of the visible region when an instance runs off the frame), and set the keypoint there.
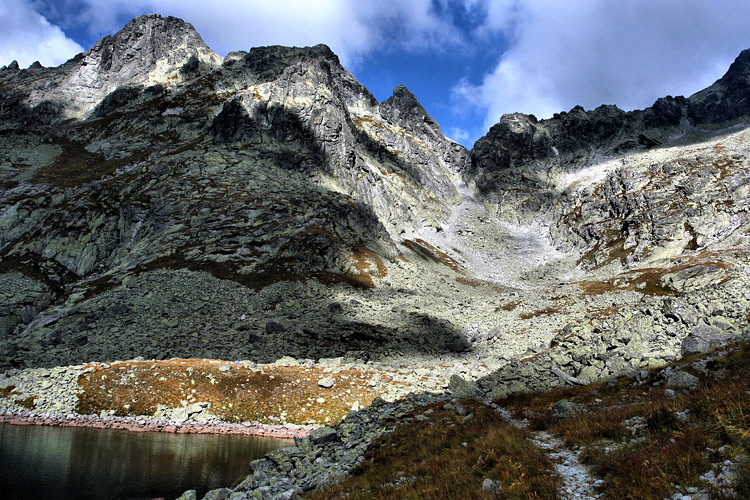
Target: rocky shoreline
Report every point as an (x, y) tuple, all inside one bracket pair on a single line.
[(146, 424)]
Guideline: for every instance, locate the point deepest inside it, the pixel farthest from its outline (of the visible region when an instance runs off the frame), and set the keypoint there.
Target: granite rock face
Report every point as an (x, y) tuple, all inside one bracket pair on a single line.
[(725, 101), (390, 156), (521, 151), (583, 173)]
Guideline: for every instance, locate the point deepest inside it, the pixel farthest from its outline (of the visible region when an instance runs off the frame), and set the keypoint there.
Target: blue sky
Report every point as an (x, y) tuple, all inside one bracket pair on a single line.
[(467, 61)]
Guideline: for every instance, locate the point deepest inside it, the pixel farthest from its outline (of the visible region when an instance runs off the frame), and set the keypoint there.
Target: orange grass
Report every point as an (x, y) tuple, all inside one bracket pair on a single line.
[(273, 394)]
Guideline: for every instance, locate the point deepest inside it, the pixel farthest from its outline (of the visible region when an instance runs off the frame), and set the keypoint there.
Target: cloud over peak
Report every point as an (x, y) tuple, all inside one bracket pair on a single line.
[(469, 61), (27, 36), (593, 52)]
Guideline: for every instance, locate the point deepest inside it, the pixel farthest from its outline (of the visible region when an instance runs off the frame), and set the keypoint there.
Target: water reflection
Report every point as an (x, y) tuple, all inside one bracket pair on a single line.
[(82, 464)]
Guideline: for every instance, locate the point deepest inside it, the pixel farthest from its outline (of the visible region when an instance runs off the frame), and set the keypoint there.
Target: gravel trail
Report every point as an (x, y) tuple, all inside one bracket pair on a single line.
[(577, 481)]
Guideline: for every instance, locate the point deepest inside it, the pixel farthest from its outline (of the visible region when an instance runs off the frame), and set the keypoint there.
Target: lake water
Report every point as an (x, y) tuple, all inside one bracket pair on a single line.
[(61, 463)]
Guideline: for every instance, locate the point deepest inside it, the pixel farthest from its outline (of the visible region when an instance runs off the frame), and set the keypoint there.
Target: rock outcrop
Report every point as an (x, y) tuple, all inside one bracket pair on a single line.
[(577, 172), (521, 152)]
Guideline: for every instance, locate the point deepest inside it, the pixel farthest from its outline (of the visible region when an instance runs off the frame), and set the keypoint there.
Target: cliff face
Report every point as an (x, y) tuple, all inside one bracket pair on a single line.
[(522, 143), (390, 156), (158, 201)]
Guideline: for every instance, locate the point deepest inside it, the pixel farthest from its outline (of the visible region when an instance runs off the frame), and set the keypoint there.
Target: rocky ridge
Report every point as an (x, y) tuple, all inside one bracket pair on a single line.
[(526, 169), (149, 179)]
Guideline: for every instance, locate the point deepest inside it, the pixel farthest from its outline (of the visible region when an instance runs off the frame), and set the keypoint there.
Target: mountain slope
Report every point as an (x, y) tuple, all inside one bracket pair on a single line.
[(265, 204), (158, 201), (577, 172), (272, 167)]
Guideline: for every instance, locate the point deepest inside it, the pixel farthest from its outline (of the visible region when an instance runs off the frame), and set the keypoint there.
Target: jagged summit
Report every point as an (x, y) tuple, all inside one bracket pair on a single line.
[(148, 41), (149, 50), (727, 99), (403, 107), (13, 66)]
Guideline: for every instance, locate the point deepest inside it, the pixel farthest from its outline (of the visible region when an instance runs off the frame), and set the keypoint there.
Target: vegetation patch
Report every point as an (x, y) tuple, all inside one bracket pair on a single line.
[(612, 246), (475, 283), (508, 306), (274, 271), (236, 392), (540, 312), (644, 441), (76, 166), (11, 393), (444, 453), (648, 280), (364, 261), (429, 252), (603, 313)]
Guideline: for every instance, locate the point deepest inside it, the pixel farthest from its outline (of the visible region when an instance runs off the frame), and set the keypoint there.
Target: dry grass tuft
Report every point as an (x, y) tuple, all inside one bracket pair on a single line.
[(648, 280), (541, 312), (364, 260), (429, 252), (449, 456), (508, 306), (475, 283), (76, 166), (11, 393)]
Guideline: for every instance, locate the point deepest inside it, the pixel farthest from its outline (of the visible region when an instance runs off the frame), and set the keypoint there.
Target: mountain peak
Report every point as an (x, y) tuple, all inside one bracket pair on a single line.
[(404, 108), (13, 66), (726, 99), (150, 38), (149, 50), (151, 21), (279, 55), (739, 70)]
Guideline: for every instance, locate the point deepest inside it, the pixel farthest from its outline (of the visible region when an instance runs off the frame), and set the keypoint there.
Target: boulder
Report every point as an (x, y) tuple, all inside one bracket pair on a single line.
[(218, 494), (461, 388), (682, 380), (565, 409), (326, 382), (274, 327), (491, 486), (703, 338), (189, 495), (323, 435)]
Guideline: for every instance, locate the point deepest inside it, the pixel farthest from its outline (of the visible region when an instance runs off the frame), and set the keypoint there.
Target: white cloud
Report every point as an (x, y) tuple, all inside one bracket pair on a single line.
[(351, 28), (459, 135), (593, 52), (27, 36)]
